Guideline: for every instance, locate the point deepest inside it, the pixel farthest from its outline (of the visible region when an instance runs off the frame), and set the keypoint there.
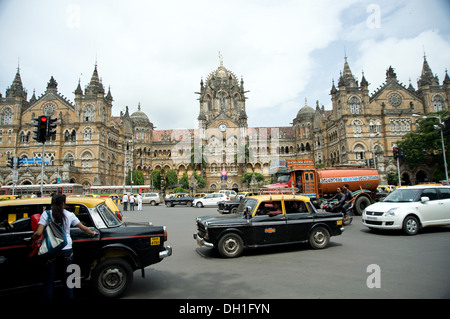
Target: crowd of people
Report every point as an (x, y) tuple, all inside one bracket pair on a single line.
[(135, 201)]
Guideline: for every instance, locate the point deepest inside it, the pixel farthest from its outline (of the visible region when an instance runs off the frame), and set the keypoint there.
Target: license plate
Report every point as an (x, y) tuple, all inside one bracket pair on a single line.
[(154, 241), (371, 218), (339, 222)]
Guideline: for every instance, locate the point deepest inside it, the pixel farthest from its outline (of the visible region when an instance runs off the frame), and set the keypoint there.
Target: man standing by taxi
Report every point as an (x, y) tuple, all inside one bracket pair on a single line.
[(125, 201)]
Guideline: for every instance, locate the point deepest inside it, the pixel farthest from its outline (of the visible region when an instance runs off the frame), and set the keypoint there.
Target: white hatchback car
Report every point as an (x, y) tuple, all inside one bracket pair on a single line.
[(210, 200), (410, 208)]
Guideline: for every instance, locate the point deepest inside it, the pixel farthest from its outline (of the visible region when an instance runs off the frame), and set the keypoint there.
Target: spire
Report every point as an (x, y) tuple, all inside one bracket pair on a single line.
[(364, 82), (447, 78), (78, 90), (347, 78), (221, 60), (427, 77), (16, 88), (95, 86)]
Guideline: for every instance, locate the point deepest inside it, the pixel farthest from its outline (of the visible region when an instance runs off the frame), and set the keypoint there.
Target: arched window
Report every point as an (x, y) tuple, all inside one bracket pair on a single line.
[(86, 160), (355, 105), (7, 116), (88, 134), (438, 102), (88, 113), (359, 151)]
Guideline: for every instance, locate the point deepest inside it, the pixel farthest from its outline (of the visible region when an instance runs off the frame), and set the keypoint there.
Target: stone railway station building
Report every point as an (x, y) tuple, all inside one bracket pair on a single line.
[(93, 147)]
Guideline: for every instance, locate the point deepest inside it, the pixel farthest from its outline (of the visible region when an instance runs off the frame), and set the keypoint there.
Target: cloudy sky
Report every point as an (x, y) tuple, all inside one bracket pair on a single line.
[(156, 52)]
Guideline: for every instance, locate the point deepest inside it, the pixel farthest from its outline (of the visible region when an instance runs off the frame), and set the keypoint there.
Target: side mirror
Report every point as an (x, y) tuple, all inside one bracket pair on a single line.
[(424, 199)]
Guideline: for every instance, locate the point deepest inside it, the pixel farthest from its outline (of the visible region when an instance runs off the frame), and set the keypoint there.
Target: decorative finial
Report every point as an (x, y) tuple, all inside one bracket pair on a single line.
[(221, 59), (139, 106)]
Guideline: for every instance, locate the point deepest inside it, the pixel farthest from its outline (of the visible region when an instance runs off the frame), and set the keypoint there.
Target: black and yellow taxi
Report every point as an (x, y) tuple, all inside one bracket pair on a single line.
[(265, 220), (108, 260)]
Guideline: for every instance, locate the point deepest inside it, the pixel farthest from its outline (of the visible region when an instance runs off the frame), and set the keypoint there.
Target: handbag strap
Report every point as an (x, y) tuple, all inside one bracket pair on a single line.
[(49, 215)]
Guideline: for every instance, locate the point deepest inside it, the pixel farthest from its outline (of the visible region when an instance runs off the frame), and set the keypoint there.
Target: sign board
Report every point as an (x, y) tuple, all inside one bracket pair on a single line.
[(34, 161)]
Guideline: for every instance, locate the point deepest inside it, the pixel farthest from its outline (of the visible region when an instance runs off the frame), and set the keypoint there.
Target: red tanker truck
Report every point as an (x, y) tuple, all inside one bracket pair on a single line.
[(320, 183)]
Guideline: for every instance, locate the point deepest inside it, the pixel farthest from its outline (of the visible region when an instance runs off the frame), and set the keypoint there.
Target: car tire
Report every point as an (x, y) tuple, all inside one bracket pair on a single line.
[(230, 245), (152, 203), (411, 225), (189, 204), (112, 277), (233, 210), (199, 205), (319, 238)]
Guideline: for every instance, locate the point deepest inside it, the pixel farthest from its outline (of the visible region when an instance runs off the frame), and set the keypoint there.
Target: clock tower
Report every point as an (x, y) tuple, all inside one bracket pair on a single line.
[(222, 123), (222, 101)]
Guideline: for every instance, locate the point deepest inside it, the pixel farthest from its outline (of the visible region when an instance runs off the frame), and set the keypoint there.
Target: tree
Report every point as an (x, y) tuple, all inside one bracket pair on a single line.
[(184, 181), (156, 179), (171, 178), (138, 178), (424, 147), (247, 178)]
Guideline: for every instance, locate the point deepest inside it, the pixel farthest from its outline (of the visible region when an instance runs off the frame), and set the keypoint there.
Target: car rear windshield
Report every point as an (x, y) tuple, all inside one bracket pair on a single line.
[(108, 216)]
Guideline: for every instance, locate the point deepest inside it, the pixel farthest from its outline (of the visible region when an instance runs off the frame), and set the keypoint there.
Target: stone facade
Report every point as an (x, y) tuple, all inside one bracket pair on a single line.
[(93, 147)]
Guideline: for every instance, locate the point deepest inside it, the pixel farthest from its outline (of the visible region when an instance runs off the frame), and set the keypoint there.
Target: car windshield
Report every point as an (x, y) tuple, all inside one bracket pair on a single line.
[(283, 178), (108, 216), (248, 202), (401, 195)]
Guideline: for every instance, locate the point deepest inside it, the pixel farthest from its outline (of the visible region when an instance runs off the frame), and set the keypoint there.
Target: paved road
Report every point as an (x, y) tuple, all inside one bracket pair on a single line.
[(409, 267)]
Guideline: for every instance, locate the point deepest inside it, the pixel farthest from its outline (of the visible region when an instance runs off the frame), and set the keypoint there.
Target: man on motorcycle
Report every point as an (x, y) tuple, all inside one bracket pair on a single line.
[(340, 197), (348, 198)]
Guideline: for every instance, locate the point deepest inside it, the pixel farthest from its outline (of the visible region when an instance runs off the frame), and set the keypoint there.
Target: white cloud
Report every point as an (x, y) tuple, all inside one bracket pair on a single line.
[(156, 52), (404, 55)]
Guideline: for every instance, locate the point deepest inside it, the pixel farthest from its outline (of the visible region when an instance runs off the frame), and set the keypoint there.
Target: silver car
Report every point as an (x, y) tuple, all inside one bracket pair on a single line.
[(151, 198)]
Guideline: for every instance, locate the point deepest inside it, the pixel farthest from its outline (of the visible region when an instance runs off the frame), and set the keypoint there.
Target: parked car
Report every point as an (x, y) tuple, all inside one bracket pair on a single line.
[(210, 200), (108, 260), (228, 206), (151, 198), (182, 199), (410, 208), (230, 193), (266, 220)]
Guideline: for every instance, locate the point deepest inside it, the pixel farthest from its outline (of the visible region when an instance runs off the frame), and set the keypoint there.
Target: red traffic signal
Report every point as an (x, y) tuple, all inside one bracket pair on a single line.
[(40, 130), (395, 152)]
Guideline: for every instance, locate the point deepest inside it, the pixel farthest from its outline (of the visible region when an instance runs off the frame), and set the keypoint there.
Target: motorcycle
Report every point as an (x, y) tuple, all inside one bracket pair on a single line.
[(347, 211)]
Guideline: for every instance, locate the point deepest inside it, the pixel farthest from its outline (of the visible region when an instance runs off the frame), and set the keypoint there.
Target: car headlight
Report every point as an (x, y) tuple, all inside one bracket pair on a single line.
[(391, 212)]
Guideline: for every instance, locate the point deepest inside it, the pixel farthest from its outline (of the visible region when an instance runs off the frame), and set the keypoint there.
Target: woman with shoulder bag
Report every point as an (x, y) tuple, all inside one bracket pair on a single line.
[(64, 257)]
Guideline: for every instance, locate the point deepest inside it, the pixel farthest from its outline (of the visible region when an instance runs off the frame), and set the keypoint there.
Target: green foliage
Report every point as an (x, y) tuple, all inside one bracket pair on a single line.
[(424, 147), (247, 178), (138, 178), (180, 190), (184, 181), (171, 178), (156, 179)]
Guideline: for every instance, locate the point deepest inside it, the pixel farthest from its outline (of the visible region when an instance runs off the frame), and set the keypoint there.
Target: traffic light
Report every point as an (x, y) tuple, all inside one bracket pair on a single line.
[(10, 162), (51, 127), (19, 163), (395, 151), (41, 128)]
